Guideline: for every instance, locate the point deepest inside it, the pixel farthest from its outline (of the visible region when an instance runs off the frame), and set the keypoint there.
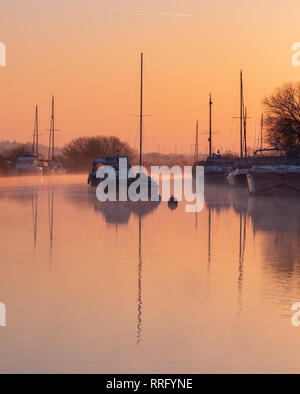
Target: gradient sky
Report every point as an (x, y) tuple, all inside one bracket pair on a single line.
[(86, 53)]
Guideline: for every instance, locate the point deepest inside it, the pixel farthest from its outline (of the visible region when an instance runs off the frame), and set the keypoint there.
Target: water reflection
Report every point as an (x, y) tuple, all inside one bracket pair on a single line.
[(140, 302), (34, 207), (117, 212), (209, 239), (276, 218), (105, 287), (51, 215), (243, 227)]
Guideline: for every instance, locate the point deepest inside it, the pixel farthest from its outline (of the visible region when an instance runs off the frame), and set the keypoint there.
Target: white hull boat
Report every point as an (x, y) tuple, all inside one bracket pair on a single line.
[(274, 179)]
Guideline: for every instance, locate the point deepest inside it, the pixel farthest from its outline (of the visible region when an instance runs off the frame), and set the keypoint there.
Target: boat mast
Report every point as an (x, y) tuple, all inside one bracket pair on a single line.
[(35, 140), (37, 131), (196, 158), (51, 137), (245, 131), (210, 133), (241, 114), (141, 113), (261, 130)]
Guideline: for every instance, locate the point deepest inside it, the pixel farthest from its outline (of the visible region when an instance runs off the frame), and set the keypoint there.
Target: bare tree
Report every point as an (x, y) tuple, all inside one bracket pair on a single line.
[(80, 152), (13, 153), (282, 117)]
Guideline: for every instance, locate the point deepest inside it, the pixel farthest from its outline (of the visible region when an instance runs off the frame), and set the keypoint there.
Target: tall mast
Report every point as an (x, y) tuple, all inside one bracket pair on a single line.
[(141, 113), (196, 158), (261, 130), (35, 139), (245, 131), (53, 128), (37, 131), (241, 114), (34, 136), (210, 133), (51, 137)]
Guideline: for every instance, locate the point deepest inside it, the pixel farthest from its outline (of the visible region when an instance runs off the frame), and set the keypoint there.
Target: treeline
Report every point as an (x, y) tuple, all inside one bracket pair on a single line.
[(170, 160), (281, 125), (79, 154), (9, 152), (282, 118)]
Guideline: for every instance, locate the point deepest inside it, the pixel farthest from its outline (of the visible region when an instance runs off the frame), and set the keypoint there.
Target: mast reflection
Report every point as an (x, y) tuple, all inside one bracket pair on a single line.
[(34, 208), (242, 246), (140, 301)]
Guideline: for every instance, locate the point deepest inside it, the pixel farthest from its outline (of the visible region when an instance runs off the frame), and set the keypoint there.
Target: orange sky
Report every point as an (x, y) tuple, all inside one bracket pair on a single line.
[(86, 53)]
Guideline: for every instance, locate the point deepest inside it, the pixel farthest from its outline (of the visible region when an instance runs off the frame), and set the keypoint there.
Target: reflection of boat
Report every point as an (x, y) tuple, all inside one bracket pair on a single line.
[(274, 213), (278, 219), (275, 173), (217, 197), (119, 212)]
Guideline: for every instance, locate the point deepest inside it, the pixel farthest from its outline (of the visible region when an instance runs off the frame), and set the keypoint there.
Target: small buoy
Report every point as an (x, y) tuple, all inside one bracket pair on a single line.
[(172, 203)]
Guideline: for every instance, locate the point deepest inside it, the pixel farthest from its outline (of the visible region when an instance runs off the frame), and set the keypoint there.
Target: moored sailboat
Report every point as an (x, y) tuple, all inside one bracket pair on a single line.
[(216, 166), (28, 164), (114, 161), (273, 172), (238, 175)]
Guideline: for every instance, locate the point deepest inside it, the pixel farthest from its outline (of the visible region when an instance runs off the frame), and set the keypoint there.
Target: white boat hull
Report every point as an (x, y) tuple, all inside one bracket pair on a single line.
[(274, 182)]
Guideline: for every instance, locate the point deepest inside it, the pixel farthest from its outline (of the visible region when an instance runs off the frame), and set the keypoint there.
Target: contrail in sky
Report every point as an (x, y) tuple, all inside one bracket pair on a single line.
[(152, 12), (164, 13)]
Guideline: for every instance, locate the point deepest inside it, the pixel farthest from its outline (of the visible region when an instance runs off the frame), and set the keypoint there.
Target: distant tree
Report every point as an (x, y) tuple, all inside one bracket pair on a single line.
[(282, 117), (170, 159), (79, 153), (12, 154), (3, 166)]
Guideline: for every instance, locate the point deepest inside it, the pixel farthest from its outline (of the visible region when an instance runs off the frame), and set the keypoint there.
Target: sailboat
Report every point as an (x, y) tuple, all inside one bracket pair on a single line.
[(28, 164), (216, 166), (238, 176), (113, 160), (274, 172)]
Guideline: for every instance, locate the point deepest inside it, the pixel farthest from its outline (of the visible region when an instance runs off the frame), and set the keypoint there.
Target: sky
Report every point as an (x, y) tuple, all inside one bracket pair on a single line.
[(87, 53)]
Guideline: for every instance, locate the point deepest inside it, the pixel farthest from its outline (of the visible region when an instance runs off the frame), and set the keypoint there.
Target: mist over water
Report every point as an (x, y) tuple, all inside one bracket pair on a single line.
[(136, 287)]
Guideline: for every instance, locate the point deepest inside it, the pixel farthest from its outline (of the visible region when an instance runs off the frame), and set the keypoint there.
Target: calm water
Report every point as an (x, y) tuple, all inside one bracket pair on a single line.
[(115, 288)]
